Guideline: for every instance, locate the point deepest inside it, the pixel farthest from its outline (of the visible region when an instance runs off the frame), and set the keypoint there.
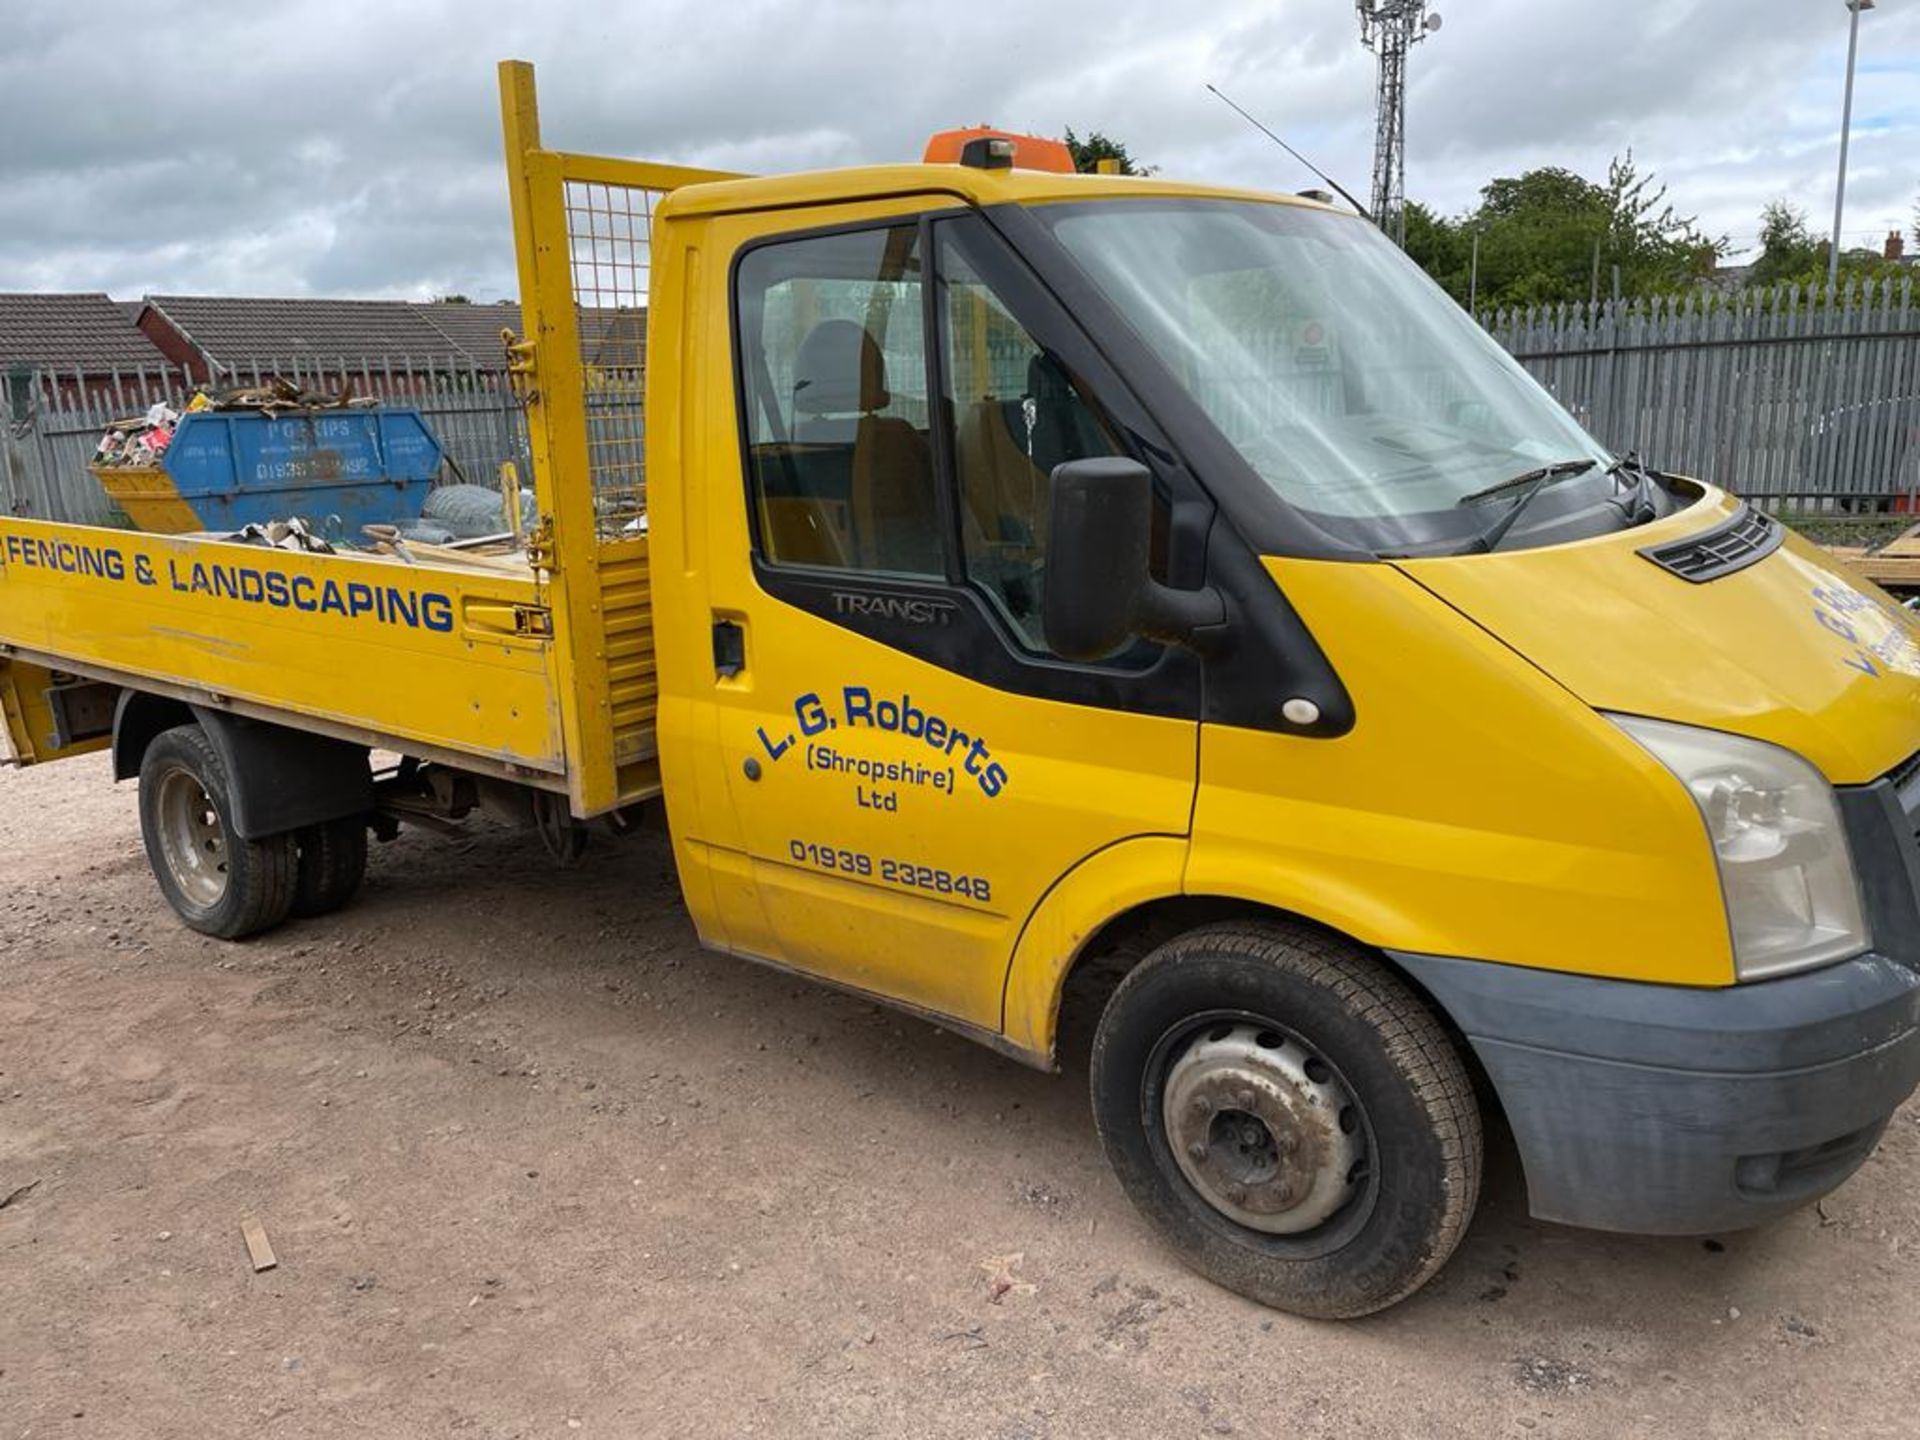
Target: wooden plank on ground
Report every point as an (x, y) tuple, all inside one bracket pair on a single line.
[(258, 1250)]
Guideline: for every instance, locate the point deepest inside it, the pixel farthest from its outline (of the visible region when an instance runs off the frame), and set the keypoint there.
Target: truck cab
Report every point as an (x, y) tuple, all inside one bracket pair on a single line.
[(1068, 565)]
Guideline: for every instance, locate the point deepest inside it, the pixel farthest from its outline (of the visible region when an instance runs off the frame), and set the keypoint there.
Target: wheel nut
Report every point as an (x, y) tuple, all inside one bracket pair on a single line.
[(1246, 1099), (1198, 1150), (1238, 1195), (1283, 1192), (1200, 1105)]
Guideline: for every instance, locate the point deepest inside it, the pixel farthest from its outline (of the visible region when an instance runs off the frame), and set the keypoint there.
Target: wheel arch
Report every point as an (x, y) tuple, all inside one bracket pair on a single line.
[(282, 779), (1107, 949), (138, 719)]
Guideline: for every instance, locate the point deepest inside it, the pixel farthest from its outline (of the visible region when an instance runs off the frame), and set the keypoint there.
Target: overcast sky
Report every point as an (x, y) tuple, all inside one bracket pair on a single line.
[(294, 147)]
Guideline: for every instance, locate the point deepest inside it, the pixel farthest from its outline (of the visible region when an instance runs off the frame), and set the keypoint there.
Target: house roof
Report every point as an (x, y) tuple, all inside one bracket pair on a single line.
[(235, 329), (608, 336), (475, 329), (87, 331)]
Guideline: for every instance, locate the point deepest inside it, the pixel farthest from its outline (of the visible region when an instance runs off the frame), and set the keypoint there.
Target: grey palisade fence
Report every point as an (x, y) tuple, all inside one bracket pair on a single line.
[(1798, 397)]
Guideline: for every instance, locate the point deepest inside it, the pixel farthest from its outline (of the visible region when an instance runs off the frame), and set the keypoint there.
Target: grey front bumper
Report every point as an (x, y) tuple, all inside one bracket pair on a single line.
[(1660, 1110)]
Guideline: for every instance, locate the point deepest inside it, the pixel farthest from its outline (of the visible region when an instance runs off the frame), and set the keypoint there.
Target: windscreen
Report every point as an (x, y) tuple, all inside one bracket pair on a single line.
[(1354, 386)]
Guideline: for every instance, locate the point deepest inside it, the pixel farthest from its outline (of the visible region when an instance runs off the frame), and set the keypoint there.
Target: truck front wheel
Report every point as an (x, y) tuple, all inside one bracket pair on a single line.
[(1290, 1117), (218, 883)]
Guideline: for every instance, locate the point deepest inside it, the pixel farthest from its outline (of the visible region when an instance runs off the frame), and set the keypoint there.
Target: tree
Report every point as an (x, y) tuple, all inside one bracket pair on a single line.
[(1541, 233), (1647, 235), (1788, 250), (1789, 254), (1095, 147), (1440, 247)]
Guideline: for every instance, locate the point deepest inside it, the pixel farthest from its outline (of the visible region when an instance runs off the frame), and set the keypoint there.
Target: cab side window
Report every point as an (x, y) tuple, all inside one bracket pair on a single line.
[(834, 366), (1017, 413)]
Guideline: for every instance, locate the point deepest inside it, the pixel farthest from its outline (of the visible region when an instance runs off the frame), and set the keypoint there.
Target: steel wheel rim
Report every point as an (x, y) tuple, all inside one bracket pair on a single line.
[(192, 839), (1262, 1128)]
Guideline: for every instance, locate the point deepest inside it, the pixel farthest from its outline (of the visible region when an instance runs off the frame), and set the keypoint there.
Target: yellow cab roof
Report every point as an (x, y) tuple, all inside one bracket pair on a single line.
[(965, 183)]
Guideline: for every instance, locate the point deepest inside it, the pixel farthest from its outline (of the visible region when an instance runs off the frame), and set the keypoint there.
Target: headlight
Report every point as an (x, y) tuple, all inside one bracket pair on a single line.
[(1792, 901)]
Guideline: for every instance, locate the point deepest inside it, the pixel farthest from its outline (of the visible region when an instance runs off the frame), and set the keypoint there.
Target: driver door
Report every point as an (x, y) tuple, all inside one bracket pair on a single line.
[(909, 769)]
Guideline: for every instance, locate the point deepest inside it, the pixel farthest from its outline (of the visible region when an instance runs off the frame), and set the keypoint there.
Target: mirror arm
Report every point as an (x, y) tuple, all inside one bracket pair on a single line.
[(1192, 618)]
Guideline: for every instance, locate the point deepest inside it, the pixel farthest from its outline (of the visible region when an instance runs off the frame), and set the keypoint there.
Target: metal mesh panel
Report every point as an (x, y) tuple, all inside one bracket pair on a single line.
[(608, 230)]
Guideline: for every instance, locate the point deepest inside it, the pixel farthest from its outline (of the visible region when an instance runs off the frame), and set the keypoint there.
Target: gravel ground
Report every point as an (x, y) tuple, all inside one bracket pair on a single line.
[(535, 1165)]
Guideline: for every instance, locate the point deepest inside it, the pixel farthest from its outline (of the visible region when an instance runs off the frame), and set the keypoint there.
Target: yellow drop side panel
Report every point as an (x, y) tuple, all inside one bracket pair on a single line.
[(839, 805), (417, 653), (1476, 809)]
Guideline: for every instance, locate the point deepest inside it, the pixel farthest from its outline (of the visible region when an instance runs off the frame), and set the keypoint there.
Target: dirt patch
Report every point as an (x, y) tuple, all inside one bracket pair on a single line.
[(533, 1164)]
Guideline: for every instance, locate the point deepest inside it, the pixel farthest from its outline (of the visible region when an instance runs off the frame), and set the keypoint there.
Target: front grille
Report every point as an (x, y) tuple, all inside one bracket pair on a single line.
[(1748, 537)]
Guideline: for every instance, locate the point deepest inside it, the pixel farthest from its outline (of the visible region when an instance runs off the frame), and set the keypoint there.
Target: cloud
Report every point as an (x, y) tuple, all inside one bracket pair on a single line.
[(351, 148)]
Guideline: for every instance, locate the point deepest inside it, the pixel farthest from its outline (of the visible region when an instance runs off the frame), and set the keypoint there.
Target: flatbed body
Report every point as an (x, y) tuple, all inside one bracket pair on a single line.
[(446, 661)]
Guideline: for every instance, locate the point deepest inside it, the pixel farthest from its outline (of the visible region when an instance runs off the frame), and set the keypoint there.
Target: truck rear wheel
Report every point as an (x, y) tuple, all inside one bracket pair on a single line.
[(218, 883), (332, 859), (1289, 1116)]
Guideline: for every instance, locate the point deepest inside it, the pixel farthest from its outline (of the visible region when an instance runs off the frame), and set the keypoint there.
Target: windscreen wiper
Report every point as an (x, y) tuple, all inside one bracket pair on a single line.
[(1530, 483)]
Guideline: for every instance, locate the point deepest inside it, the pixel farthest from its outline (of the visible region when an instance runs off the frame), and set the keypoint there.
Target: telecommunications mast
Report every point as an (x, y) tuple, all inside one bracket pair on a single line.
[(1388, 28)]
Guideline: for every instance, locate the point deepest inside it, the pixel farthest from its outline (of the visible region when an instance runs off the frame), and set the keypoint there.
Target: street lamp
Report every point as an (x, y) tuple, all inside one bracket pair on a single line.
[(1846, 129)]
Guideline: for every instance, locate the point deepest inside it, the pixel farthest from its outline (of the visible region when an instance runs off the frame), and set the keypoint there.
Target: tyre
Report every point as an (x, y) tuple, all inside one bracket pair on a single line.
[(1289, 1116), (218, 883), (332, 858)]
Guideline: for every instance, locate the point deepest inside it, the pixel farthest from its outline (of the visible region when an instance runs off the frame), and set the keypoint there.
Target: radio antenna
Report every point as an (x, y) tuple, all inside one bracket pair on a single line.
[(1221, 95)]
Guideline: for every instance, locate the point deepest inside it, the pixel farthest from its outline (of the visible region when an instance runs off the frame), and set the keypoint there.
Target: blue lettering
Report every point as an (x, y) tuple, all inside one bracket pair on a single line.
[(1838, 627), (300, 584), (436, 612), (331, 600), (277, 592), (811, 714)]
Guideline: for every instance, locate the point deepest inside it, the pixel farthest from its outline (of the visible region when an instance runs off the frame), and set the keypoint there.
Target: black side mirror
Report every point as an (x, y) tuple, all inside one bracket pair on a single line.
[(1098, 594)]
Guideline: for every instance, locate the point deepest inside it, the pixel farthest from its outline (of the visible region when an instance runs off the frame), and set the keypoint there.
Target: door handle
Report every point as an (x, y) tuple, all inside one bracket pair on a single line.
[(729, 649)]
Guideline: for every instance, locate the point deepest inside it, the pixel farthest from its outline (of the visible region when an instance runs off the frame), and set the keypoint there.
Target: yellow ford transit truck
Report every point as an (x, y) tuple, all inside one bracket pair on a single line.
[(1027, 590)]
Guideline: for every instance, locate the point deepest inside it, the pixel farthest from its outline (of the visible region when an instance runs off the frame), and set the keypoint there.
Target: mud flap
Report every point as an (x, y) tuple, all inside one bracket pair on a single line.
[(51, 715)]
